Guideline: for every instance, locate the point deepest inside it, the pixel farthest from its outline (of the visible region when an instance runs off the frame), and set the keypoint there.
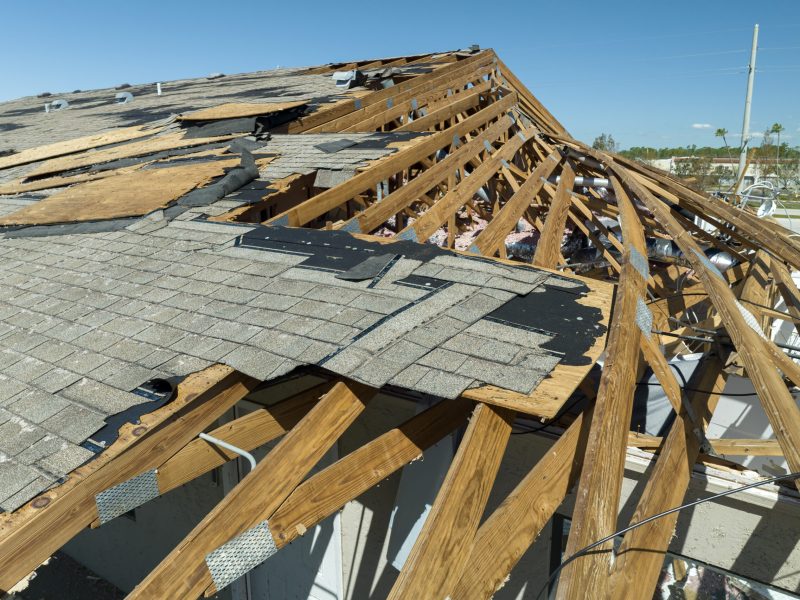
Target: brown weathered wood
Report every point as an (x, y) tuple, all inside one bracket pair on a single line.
[(183, 573), (443, 545), (248, 432), (377, 214), (114, 136), (429, 222), (729, 446), (639, 559), (778, 403)]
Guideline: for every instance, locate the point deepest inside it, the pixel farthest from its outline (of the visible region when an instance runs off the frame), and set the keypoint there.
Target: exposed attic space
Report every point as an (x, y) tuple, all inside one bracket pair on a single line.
[(414, 225)]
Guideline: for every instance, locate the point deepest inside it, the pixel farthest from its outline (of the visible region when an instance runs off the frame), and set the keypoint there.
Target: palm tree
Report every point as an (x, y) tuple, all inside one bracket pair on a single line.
[(722, 132)]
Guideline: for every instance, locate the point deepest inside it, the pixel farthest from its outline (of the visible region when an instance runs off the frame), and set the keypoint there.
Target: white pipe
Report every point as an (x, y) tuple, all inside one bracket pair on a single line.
[(594, 182), (223, 444), (158, 89)]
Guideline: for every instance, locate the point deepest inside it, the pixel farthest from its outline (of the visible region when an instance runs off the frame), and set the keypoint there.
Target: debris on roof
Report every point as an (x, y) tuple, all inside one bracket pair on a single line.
[(421, 223)]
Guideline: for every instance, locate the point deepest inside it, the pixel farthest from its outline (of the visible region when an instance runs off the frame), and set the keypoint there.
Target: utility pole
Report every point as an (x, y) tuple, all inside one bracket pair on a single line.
[(751, 73)]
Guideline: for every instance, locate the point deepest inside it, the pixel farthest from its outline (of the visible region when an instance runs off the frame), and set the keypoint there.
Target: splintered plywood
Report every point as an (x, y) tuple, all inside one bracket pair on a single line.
[(122, 195), (236, 110), (20, 186), (142, 148), (72, 146)]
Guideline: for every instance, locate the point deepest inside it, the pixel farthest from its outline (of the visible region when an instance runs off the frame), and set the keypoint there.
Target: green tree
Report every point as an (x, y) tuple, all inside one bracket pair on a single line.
[(605, 141), (722, 132)]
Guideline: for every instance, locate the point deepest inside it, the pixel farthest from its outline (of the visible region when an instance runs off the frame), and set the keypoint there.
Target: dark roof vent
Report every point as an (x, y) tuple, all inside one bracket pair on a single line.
[(123, 97)]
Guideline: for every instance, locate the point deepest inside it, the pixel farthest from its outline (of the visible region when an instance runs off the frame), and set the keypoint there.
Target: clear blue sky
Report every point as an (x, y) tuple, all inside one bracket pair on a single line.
[(644, 71)]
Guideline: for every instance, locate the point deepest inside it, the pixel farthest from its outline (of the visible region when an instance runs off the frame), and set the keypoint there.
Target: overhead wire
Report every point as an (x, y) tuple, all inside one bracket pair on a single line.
[(583, 551)]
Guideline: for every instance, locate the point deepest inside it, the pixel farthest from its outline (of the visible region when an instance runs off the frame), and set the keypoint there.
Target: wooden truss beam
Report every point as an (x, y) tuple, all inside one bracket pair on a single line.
[(184, 572), (511, 529), (317, 206), (444, 544)]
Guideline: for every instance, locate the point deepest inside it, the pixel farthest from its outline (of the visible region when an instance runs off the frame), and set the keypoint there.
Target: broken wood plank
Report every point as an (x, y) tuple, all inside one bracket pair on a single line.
[(128, 194), (114, 136), (237, 110)]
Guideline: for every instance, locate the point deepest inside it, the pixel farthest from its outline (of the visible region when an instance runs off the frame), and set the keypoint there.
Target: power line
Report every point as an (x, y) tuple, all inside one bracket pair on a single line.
[(608, 538)]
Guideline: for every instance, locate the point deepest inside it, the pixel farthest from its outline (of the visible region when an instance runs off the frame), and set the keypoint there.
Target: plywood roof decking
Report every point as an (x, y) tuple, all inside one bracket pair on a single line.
[(233, 110), (121, 195), (171, 293)]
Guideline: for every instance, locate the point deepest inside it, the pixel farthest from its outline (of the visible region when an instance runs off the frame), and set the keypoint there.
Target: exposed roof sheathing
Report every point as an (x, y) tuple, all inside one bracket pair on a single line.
[(378, 236)]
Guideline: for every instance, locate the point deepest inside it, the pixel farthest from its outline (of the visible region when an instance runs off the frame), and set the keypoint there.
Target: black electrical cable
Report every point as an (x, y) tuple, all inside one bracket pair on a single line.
[(608, 538), (709, 392), (551, 421)]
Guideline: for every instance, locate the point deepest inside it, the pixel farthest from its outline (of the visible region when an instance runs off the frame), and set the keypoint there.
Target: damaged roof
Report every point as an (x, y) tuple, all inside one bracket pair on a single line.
[(419, 223)]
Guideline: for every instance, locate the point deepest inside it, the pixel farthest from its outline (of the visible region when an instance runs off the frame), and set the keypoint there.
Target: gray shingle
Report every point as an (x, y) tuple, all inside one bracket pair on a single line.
[(9, 388), (160, 335), (299, 325), (443, 360), (440, 383), (17, 434), (488, 349), (274, 301), (184, 365), (55, 380), (255, 362), (347, 360), (100, 397), (35, 405), (517, 379), (65, 460), (14, 477), (475, 307), (376, 303), (125, 326), (506, 333), (409, 376), (97, 340), (83, 361), (41, 449), (121, 375), (333, 332), (377, 371), (74, 423), (28, 368), (280, 342), (234, 331), (39, 484)]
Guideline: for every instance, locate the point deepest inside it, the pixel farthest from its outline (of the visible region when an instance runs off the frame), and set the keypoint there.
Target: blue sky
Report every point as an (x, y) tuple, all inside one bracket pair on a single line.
[(644, 71)]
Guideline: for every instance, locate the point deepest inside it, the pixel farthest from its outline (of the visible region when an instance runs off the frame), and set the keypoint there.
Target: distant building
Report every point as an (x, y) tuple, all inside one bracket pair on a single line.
[(757, 170)]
